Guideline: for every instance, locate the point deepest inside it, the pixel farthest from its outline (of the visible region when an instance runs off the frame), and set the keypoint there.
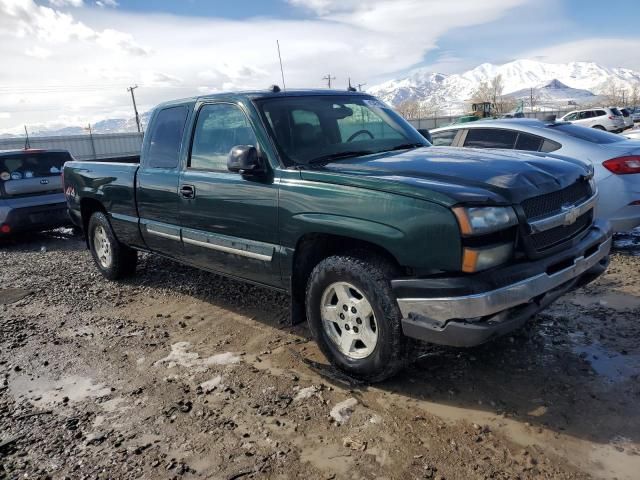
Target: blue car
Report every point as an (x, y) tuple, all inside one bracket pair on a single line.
[(31, 196)]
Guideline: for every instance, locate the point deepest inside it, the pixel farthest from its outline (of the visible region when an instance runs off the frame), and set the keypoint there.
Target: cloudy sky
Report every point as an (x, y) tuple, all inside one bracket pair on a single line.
[(70, 61)]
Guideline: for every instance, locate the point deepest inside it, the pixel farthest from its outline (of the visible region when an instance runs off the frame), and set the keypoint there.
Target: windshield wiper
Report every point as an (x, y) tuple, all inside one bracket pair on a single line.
[(407, 146), (339, 156)]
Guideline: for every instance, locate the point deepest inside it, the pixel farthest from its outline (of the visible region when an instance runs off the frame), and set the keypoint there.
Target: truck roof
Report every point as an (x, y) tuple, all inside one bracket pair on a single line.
[(269, 93)]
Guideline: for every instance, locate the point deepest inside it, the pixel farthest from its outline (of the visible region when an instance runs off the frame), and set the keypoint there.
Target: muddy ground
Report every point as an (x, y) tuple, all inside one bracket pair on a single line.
[(177, 373)]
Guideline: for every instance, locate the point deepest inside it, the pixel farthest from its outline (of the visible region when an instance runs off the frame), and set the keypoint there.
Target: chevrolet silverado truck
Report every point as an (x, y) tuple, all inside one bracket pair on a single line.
[(379, 238)]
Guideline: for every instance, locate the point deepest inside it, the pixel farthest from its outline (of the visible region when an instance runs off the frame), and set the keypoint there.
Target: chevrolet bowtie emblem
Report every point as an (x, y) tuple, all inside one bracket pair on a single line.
[(571, 215)]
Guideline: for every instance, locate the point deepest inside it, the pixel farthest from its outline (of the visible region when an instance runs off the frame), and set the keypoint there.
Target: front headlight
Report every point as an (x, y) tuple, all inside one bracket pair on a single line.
[(481, 220)]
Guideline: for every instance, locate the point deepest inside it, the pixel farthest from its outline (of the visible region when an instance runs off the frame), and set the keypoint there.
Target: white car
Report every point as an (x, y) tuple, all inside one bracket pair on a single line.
[(626, 117), (633, 134), (602, 118), (615, 158)]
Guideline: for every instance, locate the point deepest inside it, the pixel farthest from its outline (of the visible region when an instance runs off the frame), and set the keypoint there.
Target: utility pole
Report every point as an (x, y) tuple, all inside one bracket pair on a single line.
[(328, 78), (359, 86), (135, 108), (531, 99), (93, 145), (27, 144)]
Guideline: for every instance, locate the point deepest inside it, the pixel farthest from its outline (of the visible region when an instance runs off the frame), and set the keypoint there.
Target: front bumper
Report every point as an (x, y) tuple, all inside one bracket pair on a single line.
[(469, 310)]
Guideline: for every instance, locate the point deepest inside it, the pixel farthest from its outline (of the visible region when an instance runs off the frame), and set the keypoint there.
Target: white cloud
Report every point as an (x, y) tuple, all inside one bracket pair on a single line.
[(27, 19), (5, 115), (610, 52), (38, 52), (107, 3), (66, 3), (95, 54)]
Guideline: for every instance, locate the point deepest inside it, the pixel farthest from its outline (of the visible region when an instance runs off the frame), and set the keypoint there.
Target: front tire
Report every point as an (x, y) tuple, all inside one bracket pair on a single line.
[(113, 259), (354, 317)]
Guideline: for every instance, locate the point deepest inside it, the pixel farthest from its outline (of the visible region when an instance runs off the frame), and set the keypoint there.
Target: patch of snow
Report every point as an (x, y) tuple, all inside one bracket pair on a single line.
[(342, 411), (210, 385), (180, 356), (306, 393)]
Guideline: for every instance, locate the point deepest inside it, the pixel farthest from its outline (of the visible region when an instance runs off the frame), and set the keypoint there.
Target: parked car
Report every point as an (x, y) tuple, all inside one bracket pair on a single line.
[(616, 159), (31, 196), (633, 134), (626, 116), (603, 118), (337, 200), (635, 114)]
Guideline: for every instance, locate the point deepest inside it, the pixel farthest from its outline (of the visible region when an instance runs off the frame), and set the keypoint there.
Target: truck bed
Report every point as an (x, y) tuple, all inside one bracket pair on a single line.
[(110, 184)]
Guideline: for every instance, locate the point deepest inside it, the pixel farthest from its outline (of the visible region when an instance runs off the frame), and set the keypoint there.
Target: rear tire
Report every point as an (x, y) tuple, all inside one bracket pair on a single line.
[(599, 127), (113, 259), (354, 316)]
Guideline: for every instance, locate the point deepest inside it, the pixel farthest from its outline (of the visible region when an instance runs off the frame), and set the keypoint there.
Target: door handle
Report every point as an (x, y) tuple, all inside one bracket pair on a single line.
[(187, 191)]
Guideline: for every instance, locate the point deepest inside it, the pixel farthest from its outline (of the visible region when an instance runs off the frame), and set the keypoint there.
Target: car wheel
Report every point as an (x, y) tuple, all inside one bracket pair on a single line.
[(599, 127), (113, 259), (354, 316)]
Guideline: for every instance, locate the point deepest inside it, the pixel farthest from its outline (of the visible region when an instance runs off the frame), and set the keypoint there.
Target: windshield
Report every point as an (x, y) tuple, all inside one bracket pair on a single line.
[(592, 135), (319, 129)]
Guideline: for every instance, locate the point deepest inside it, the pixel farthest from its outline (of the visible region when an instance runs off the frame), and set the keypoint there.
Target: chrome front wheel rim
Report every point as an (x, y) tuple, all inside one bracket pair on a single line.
[(348, 320), (102, 246)]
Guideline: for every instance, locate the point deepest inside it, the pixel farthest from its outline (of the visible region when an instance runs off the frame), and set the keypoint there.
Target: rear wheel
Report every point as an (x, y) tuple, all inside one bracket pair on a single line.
[(354, 317), (113, 259)]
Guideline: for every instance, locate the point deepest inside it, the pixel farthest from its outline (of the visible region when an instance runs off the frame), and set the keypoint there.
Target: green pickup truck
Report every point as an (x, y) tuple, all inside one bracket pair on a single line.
[(379, 238)]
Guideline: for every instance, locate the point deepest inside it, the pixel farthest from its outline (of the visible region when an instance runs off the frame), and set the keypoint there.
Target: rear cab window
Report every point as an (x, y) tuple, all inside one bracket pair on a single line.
[(31, 173), (166, 137)]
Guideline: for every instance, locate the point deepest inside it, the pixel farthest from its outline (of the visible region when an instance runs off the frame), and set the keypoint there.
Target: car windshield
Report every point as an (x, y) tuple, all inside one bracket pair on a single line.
[(592, 135), (325, 128)]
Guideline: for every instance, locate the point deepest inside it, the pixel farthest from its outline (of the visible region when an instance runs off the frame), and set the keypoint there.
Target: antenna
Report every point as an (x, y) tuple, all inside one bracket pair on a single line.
[(284, 86), (350, 87)]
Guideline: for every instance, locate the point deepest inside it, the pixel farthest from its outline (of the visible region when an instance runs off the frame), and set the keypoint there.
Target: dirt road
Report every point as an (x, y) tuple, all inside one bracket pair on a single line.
[(182, 374)]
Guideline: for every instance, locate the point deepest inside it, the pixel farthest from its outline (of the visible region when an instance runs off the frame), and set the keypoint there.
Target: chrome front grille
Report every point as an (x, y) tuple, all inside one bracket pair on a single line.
[(557, 235), (560, 216), (552, 203)]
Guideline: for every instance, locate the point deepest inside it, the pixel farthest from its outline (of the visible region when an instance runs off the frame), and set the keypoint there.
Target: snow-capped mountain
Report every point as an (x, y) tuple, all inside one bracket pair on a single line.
[(554, 81), (555, 92)]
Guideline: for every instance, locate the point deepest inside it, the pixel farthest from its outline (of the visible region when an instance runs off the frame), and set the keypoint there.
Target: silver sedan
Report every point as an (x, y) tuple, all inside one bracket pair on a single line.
[(615, 158)]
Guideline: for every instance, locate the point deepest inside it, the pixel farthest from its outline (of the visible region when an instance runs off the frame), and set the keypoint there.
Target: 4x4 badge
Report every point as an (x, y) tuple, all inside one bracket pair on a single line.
[(44, 181)]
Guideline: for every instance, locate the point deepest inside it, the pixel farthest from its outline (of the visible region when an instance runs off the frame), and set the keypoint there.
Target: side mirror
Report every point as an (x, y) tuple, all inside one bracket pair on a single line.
[(425, 133), (244, 159)]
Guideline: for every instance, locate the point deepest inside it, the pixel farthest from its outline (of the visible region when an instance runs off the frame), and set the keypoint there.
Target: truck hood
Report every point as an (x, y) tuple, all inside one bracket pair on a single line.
[(453, 175)]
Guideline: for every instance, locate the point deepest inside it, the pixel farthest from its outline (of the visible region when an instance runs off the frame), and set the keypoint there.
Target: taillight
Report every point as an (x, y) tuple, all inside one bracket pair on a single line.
[(623, 165), (611, 117)]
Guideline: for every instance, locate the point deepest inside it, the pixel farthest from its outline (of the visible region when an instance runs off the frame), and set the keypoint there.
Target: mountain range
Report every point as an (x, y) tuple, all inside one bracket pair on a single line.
[(552, 83)]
